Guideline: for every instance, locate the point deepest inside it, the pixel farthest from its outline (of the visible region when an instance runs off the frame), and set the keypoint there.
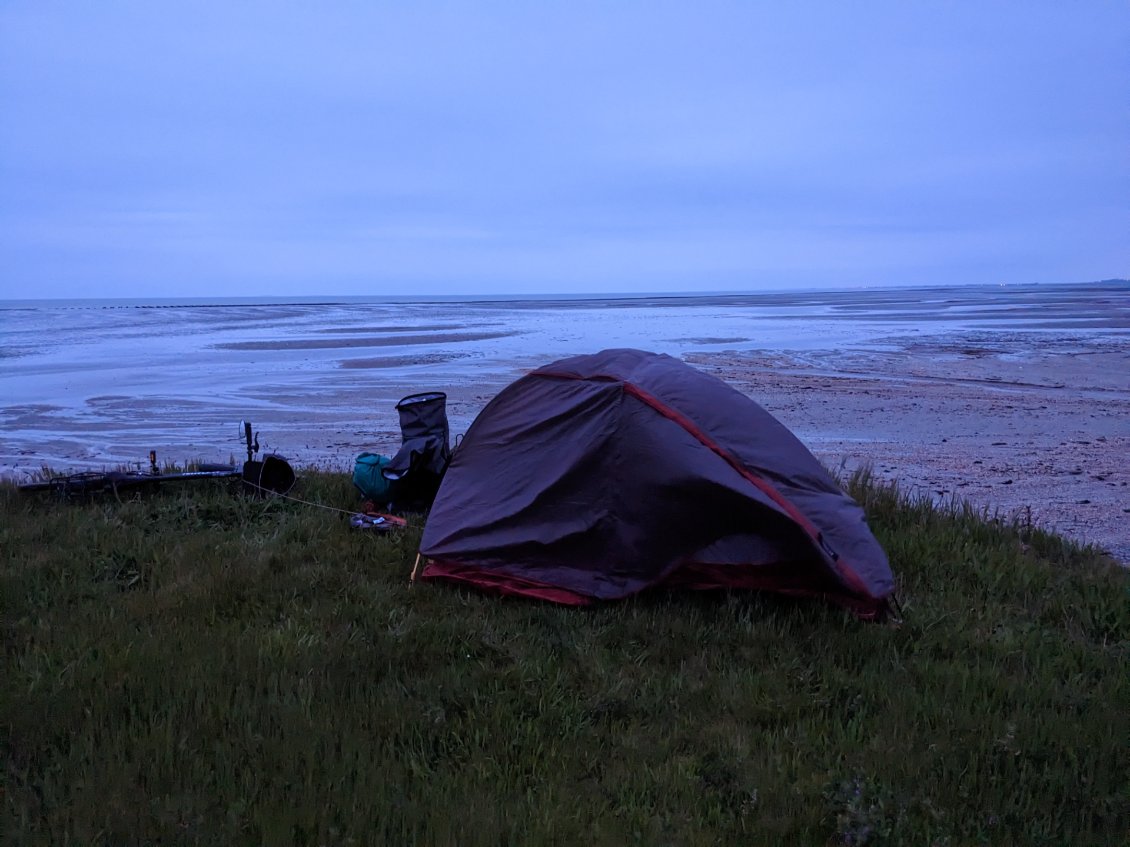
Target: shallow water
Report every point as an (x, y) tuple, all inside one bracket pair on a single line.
[(89, 383)]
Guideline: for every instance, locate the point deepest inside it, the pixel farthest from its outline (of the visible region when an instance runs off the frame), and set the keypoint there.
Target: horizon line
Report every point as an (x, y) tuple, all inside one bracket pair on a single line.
[(331, 299)]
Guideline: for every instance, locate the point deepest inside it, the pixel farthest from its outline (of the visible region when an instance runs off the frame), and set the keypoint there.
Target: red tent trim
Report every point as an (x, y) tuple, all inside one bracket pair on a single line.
[(502, 583), (697, 576)]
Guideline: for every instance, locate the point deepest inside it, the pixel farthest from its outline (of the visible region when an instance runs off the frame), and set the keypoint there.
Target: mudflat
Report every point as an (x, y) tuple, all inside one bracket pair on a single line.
[(1041, 438), (1014, 399)]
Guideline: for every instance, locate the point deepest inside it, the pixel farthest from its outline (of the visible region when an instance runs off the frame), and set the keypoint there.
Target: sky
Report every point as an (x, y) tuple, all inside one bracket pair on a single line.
[(259, 149)]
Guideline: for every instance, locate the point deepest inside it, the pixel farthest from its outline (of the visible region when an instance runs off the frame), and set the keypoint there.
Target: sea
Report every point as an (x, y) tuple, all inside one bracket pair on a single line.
[(92, 383)]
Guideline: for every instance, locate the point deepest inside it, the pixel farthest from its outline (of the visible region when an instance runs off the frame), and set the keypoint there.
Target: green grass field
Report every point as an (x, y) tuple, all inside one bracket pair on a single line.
[(194, 667)]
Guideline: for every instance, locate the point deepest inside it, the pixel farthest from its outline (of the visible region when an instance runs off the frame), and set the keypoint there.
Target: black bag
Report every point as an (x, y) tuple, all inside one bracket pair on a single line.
[(270, 475), (425, 451)]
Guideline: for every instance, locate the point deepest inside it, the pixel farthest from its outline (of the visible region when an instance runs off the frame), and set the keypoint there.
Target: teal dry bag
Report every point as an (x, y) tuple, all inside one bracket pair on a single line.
[(369, 480)]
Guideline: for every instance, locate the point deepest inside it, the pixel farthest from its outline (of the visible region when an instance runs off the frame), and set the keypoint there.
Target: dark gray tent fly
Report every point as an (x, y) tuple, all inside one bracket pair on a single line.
[(596, 477)]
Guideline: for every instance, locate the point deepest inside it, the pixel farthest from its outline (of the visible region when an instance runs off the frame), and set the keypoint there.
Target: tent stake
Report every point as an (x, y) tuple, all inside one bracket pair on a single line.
[(415, 568)]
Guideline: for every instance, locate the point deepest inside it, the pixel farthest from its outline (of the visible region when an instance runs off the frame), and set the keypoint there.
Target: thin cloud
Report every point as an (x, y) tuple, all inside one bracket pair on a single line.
[(238, 148)]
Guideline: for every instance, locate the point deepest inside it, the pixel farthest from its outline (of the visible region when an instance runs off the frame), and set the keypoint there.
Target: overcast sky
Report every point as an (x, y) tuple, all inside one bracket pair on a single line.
[(235, 148)]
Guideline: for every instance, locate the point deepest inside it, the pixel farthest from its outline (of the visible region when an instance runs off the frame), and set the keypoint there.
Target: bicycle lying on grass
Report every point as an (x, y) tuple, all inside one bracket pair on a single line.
[(270, 475)]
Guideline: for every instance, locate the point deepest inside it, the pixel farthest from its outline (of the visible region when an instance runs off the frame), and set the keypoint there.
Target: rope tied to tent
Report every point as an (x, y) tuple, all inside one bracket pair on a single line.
[(272, 494)]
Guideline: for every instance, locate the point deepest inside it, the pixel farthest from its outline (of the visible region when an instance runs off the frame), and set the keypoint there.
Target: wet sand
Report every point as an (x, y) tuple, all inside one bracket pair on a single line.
[(1028, 447), (1021, 420)]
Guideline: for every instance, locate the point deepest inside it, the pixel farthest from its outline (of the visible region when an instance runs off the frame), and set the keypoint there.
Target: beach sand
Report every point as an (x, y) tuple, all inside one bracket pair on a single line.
[(968, 427)]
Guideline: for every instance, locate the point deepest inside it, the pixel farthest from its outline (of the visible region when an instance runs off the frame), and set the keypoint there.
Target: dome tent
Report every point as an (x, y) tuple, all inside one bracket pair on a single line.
[(595, 477)]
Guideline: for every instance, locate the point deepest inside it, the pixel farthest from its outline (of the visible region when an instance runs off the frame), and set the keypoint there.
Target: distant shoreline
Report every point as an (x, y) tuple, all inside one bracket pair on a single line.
[(774, 295)]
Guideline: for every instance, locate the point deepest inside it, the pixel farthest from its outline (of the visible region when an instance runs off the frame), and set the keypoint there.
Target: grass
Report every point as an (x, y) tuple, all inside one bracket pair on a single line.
[(194, 667)]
